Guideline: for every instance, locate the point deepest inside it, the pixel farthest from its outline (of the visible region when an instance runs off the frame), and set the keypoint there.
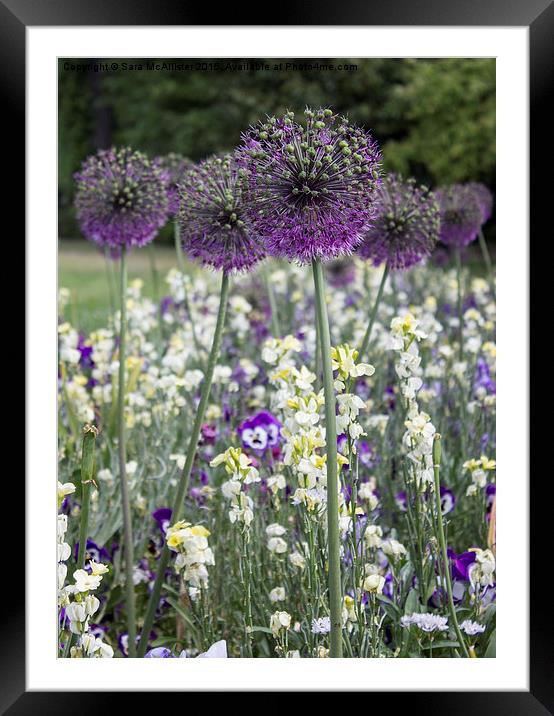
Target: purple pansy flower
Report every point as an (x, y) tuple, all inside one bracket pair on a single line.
[(163, 517), (260, 431), (448, 500), (94, 552)]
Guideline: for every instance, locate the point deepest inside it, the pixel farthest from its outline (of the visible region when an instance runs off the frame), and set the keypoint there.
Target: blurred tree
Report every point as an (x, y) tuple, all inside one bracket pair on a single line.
[(450, 122), (434, 119)]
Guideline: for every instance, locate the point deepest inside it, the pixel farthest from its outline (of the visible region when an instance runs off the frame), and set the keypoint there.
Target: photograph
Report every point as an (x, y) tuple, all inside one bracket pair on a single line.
[(276, 361)]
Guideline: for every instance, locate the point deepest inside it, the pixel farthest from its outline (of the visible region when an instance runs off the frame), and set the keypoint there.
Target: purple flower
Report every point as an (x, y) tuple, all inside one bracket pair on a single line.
[(490, 494), (312, 188), (209, 434), (484, 198), (211, 217), (159, 652), (94, 552), (483, 377), (448, 500), (163, 517), (85, 360), (460, 215), (260, 431), (173, 166), (406, 226), (460, 564), (401, 500), (121, 198)]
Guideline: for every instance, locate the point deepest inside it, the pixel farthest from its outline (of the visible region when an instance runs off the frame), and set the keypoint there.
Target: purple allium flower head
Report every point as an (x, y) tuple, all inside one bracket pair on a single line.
[(484, 197), (312, 187), (460, 215), (406, 225), (173, 168), (121, 198), (211, 217)]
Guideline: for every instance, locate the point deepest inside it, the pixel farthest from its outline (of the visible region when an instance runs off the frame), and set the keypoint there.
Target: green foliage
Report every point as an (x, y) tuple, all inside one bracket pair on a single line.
[(449, 109), (434, 119)]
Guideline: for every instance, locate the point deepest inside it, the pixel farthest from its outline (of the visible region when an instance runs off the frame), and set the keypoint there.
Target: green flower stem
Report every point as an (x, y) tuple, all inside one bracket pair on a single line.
[(317, 367), (442, 541), (185, 475), (335, 589), (246, 578), (486, 257), (178, 249), (87, 474), (109, 279), (367, 337), (121, 449), (460, 303), (275, 327)]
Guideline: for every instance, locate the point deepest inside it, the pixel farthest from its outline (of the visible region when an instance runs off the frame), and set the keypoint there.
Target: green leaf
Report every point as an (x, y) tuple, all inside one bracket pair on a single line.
[(261, 628), (411, 604), (163, 640), (445, 645), (389, 602), (490, 653)]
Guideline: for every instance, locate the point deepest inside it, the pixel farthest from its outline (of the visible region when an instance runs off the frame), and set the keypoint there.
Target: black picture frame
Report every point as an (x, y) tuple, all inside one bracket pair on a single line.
[(538, 16)]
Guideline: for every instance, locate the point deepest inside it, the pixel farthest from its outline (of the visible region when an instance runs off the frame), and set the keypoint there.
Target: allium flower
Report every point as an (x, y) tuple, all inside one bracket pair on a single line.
[(121, 198), (313, 187), (484, 197), (406, 225), (211, 217), (460, 215), (173, 168)]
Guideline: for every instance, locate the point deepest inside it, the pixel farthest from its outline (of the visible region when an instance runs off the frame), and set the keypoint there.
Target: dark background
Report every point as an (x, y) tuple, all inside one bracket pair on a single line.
[(433, 118)]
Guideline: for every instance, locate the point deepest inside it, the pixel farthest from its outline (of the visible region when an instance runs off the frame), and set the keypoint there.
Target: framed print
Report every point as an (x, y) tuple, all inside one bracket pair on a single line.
[(276, 352)]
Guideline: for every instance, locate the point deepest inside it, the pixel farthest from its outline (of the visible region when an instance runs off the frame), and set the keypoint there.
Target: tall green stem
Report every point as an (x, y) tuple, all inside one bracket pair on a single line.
[(109, 279), (121, 448), (373, 316), (191, 452), (87, 473), (335, 589), (442, 540), (486, 257), (460, 303), (178, 249)]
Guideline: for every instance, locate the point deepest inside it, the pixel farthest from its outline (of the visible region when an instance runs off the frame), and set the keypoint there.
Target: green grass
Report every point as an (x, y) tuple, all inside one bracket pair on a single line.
[(83, 270)]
